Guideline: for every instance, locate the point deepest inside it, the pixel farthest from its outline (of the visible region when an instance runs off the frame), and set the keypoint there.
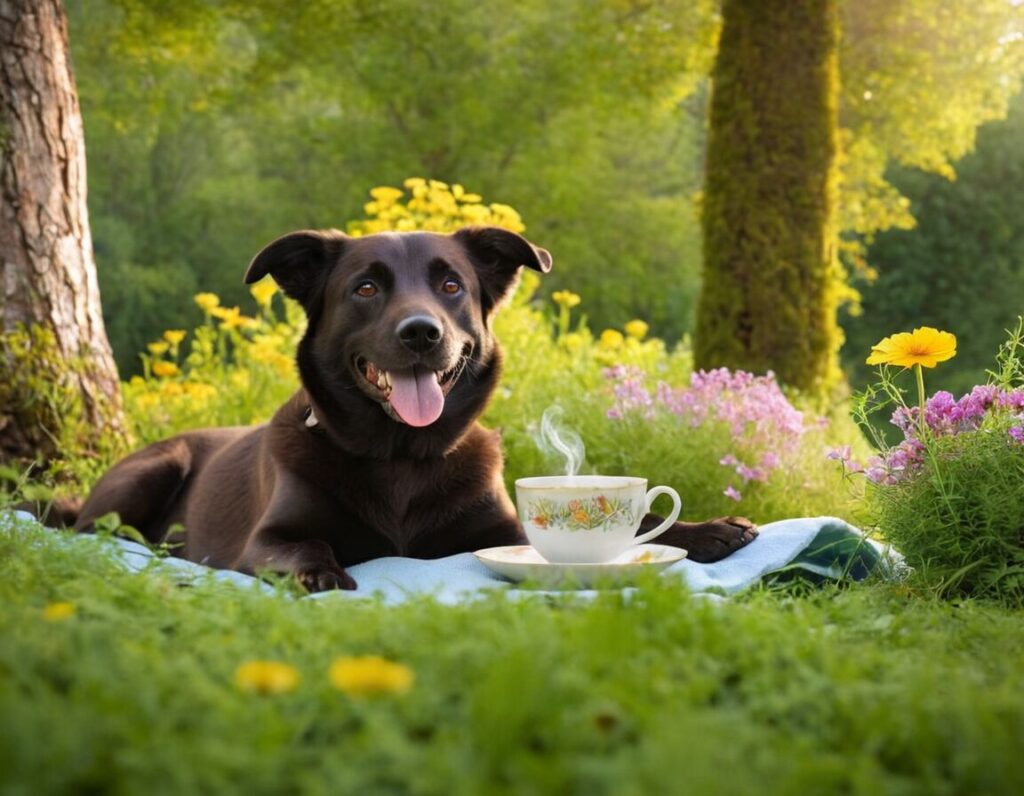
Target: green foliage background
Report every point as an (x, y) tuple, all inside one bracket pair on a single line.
[(213, 126), (962, 267)]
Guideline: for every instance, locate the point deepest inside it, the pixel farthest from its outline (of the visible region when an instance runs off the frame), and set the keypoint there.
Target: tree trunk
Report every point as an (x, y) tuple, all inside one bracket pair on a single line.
[(770, 287), (47, 272)]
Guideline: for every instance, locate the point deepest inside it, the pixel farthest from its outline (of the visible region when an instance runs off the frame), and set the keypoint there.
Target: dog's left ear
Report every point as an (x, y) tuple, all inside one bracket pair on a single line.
[(498, 254), (298, 262)]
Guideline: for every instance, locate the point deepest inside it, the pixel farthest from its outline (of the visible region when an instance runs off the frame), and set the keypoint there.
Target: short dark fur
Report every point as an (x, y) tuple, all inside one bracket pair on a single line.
[(312, 497)]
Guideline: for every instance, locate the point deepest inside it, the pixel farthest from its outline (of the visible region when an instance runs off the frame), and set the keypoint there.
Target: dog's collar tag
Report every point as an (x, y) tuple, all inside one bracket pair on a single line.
[(309, 419)]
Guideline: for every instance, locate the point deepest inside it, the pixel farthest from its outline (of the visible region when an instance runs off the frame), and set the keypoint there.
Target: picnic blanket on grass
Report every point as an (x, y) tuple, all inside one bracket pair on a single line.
[(818, 548)]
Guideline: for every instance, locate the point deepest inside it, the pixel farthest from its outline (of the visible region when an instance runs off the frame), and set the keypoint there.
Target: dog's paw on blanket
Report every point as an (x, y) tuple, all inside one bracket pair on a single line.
[(706, 542)]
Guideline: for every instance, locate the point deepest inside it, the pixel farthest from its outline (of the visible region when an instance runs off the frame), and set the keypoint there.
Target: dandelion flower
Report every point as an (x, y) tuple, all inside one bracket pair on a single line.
[(58, 612), (206, 301), (175, 336), (636, 329), (158, 348), (611, 338), (565, 298), (386, 195), (232, 318), (263, 291), (266, 677), (165, 370), (924, 346), (370, 675)]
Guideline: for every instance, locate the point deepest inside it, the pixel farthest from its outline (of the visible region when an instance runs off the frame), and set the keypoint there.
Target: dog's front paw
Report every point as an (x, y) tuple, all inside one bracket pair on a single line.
[(713, 540), (325, 579)]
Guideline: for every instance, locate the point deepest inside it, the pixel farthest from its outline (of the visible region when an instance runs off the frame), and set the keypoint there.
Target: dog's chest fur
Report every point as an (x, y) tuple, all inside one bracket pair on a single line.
[(401, 499)]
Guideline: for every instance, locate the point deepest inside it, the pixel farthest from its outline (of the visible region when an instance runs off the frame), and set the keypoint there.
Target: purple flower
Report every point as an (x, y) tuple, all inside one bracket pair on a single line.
[(763, 424), (905, 419), (1017, 434), (843, 454), (731, 493), (751, 473), (939, 411), (1014, 400)]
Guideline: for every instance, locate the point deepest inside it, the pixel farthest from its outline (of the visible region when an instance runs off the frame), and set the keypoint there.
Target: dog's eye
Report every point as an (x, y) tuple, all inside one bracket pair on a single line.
[(451, 287), (366, 289)]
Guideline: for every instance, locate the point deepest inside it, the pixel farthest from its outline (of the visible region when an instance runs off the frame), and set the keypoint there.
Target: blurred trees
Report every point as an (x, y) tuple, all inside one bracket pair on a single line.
[(962, 268), (215, 125)]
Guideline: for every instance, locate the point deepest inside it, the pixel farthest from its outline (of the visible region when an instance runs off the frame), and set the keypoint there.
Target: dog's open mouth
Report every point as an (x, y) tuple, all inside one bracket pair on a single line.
[(413, 395)]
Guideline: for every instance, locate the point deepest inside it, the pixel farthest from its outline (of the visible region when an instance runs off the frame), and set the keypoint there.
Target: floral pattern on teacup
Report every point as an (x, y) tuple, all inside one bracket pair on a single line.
[(597, 513)]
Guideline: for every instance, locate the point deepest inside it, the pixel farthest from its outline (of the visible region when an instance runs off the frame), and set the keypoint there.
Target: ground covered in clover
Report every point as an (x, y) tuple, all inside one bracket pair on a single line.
[(112, 682)]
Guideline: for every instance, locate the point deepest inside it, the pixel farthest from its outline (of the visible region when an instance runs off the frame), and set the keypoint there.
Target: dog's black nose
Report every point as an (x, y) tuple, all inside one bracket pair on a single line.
[(420, 333)]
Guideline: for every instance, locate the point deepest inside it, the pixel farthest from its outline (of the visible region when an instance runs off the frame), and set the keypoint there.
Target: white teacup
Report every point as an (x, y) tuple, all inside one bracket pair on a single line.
[(588, 519)]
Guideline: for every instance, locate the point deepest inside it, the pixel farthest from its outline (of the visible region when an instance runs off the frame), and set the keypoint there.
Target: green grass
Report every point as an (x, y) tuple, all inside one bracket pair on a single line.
[(867, 689)]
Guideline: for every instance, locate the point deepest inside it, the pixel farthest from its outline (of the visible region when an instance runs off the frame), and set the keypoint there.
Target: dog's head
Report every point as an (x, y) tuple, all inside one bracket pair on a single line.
[(400, 322)]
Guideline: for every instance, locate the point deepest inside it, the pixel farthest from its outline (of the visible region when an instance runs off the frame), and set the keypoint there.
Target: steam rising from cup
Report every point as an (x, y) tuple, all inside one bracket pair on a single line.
[(557, 439)]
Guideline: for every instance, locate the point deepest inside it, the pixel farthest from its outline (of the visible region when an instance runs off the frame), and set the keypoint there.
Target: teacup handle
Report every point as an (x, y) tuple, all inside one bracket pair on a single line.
[(677, 506)]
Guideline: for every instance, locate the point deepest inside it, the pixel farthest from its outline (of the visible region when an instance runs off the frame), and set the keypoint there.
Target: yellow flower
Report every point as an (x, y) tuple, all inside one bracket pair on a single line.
[(158, 348), (175, 336), (636, 329), (572, 341), (232, 318), (370, 675), (263, 291), (386, 195), (611, 338), (925, 346), (206, 301), (565, 298), (58, 612), (266, 677), (414, 182), (165, 369)]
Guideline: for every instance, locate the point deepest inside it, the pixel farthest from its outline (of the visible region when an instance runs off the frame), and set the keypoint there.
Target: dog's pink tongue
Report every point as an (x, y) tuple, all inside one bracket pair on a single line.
[(416, 396)]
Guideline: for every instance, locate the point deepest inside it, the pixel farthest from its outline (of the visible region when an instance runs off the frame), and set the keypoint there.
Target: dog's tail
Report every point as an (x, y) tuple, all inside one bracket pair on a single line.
[(56, 513)]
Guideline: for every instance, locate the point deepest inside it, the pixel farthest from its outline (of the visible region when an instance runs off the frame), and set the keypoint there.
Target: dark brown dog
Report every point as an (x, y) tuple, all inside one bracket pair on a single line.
[(379, 453)]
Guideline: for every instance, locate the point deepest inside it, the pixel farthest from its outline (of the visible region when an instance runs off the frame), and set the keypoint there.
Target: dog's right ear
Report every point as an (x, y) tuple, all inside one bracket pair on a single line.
[(298, 261)]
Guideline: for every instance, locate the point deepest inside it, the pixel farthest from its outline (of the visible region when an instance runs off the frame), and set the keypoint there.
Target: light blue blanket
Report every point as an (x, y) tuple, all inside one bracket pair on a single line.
[(815, 547)]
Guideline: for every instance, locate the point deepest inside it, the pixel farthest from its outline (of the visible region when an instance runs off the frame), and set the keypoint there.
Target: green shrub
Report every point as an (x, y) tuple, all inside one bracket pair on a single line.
[(950, 495)]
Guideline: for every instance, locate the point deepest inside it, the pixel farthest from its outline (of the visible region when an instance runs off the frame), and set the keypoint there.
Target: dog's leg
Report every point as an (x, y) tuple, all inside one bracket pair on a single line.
[(141, 488), (705, 542), (311, 561), (285, 539)]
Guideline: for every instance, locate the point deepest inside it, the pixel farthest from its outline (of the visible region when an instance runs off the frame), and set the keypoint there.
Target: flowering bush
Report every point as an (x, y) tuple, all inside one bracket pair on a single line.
[(764, 427), (721, 438), (238, 369), (950, 494)]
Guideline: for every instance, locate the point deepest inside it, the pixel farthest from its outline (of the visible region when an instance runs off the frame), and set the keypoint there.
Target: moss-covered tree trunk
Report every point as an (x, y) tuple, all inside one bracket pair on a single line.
[(61, 366), (770, 287)]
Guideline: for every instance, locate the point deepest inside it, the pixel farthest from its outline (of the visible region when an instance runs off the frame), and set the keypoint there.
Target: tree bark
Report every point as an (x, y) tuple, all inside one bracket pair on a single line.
[(770, 289), (47, 271)]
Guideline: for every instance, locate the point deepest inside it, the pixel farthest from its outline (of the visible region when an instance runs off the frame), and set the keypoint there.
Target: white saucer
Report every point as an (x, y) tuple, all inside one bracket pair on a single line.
[(522, 562)]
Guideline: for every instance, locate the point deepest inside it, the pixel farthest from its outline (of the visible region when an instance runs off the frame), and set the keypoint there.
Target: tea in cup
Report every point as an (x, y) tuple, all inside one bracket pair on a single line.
[(588, 519)]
